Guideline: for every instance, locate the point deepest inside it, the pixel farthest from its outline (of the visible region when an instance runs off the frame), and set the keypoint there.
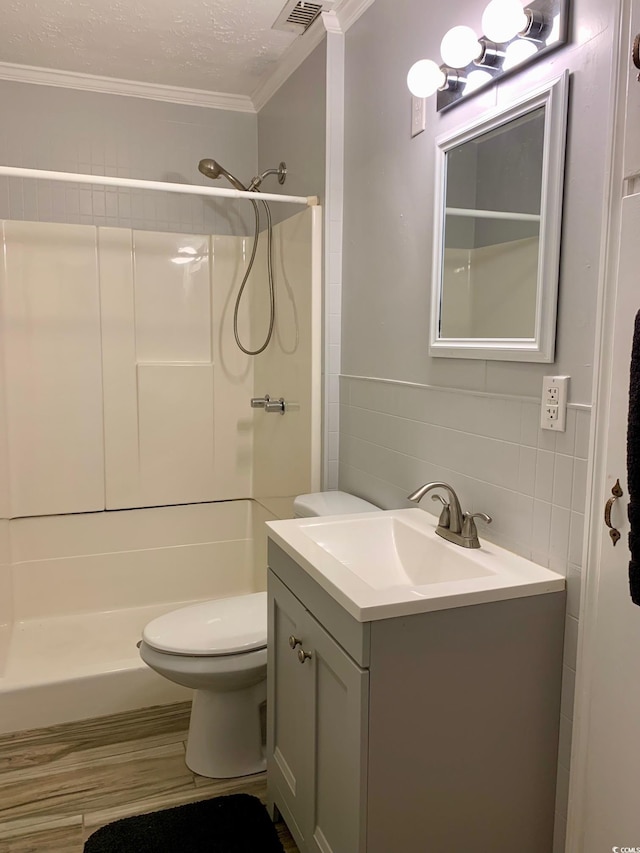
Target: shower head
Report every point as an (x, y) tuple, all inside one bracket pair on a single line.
[(214, 170)]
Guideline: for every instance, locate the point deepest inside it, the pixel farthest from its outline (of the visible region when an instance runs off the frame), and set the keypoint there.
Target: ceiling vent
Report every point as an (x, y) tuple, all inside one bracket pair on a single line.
[(298, 15)]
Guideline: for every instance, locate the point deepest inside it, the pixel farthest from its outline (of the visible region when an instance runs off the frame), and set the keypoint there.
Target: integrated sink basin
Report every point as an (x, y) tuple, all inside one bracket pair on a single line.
[(384, 551), (379, 565)]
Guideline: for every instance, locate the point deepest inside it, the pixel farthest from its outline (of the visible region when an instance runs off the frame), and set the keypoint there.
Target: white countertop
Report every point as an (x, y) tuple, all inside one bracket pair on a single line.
[(377, 586)]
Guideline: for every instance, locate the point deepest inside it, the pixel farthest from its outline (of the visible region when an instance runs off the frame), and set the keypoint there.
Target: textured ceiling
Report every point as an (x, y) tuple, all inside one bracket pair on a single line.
[(216, 45)]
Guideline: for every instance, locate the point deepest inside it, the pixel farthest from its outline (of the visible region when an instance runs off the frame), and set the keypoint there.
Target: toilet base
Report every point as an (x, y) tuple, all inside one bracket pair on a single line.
[(225, 732)]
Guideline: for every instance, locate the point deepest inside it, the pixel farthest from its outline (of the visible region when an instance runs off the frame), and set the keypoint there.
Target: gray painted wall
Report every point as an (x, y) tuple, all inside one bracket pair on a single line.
[(44, 127), (388, 196), (406, 418), (292, 127)]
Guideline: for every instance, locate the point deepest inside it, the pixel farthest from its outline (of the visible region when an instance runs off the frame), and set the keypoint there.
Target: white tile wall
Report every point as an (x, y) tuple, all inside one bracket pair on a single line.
[(489, 447), (395, 436), (94, 133)]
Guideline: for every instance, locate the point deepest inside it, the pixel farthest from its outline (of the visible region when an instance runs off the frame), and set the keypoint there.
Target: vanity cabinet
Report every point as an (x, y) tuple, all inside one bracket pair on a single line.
[(423, 733), (317, 751)]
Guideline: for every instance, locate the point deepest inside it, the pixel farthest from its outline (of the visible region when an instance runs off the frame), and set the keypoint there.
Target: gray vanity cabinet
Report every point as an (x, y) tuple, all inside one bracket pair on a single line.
[(318, 727), (423, 733)]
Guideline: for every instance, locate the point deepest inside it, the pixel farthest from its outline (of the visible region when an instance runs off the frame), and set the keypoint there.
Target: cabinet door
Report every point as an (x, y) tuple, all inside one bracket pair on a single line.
[(339, 748), (290, 711), (318, 730)]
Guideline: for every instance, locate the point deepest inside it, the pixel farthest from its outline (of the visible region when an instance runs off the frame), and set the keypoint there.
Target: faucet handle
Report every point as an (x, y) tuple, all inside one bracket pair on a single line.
[(469, 529), (445, 515)]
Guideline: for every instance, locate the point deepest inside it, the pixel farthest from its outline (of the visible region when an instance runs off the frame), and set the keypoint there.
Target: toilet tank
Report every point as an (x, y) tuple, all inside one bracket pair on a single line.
[(330, 503)]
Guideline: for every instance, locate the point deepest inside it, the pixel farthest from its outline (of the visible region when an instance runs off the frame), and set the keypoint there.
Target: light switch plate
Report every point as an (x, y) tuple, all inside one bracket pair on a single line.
[(418, 115), (554, 403)]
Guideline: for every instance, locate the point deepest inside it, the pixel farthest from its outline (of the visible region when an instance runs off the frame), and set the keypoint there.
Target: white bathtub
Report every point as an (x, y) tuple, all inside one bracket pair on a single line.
[(76, 591)]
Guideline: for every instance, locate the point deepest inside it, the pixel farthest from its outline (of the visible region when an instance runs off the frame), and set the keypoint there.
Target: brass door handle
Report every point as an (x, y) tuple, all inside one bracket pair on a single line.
[(617, 492), (303, 656)]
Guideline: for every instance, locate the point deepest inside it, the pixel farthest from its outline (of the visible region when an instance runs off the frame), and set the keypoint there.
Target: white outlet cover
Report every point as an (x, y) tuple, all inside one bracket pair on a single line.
[(418, 115), (553, 414)]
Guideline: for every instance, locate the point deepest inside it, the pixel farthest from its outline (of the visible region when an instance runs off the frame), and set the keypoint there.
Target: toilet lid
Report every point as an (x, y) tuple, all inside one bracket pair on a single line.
[(222, 627)]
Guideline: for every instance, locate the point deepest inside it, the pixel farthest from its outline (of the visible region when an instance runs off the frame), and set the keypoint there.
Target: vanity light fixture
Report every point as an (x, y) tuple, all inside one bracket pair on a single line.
[(459, 47), (426, 77), (502, 20), (518, 52), (476, 79), (513, 35)]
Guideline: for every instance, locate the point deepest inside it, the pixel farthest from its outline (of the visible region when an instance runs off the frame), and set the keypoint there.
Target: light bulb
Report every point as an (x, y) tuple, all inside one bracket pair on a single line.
[(459, 47), (425, 77), (518, 51), (503, 19), (475, 80)]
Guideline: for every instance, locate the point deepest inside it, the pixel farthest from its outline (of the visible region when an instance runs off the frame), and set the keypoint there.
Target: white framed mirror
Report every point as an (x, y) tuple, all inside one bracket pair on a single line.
[(498, 215)]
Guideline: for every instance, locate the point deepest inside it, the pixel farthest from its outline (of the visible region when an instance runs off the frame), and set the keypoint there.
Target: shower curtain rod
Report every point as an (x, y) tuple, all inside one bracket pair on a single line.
[(132, 183)]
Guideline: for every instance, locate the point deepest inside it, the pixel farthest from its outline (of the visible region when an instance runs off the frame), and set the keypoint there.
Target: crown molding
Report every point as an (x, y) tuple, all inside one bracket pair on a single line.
[(291, 59), (336, 21), (332, 23), (129, 88), (349, 12)]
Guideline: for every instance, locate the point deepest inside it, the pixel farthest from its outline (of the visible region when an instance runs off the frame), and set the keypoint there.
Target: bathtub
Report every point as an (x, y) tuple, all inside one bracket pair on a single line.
[(76, 591)]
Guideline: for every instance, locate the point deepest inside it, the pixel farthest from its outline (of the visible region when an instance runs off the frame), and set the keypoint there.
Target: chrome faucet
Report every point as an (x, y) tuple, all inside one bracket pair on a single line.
[(453, 525)]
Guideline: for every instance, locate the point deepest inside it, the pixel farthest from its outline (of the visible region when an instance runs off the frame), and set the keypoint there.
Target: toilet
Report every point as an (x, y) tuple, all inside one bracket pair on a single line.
[(330, 503), (219, 649)]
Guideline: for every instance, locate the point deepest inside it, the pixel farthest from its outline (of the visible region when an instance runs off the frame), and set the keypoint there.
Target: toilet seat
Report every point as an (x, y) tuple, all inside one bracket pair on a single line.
[(225, 626)]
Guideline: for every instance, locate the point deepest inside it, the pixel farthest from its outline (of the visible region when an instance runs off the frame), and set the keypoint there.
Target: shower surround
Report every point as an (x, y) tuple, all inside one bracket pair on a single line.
[(134, 474)]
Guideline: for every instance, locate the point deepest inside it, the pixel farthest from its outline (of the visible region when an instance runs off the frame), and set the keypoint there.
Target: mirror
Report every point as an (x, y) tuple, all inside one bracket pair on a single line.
[(497, 243)]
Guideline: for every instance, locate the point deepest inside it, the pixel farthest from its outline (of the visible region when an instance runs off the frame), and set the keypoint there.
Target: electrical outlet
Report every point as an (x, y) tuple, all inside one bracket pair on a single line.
[(418, 115), (554, 403)]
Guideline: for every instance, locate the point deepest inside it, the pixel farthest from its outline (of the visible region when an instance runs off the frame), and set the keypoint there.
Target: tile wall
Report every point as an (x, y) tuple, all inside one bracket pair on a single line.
[(396, 436), (94, 133)]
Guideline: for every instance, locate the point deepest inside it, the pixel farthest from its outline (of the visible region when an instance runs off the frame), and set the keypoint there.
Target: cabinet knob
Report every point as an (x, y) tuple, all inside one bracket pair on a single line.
[(294, 641), (303, 656)]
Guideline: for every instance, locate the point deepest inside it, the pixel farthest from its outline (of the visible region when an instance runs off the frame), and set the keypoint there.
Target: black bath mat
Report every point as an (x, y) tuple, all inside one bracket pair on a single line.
[(234, 824)]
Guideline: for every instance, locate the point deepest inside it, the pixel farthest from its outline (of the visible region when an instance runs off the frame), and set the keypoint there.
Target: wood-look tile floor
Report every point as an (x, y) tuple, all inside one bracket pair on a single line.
[(60, 784)]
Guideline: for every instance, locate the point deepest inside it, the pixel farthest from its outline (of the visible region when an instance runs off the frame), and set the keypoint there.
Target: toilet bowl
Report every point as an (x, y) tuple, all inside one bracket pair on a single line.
[(219, 649)]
